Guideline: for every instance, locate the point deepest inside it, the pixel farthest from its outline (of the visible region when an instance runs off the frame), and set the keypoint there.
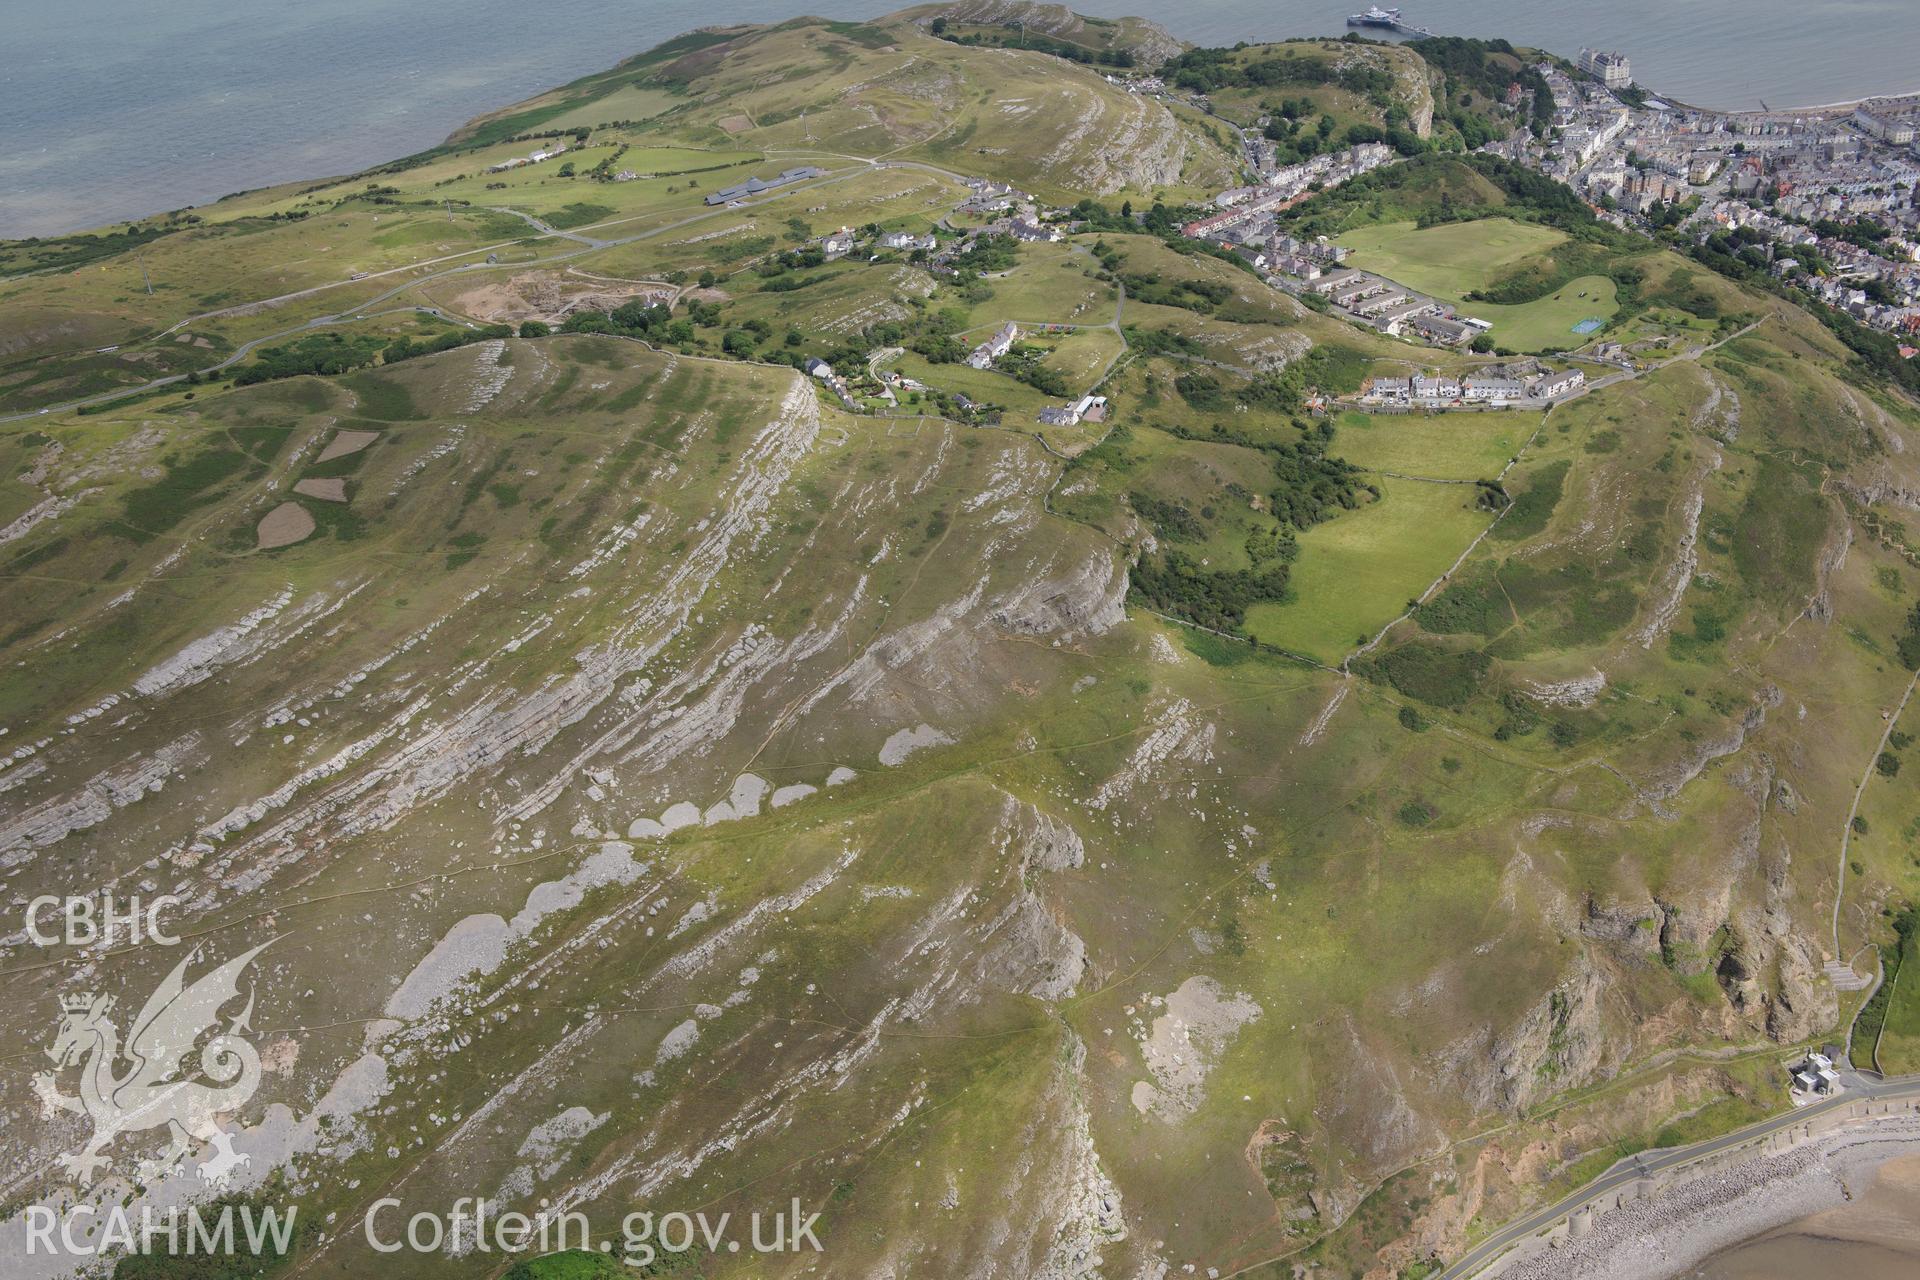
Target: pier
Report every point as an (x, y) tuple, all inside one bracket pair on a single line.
[(1388, 20)]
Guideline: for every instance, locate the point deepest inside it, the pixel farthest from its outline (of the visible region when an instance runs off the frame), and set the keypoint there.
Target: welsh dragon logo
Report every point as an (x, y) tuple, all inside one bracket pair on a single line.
[(154, 1089)]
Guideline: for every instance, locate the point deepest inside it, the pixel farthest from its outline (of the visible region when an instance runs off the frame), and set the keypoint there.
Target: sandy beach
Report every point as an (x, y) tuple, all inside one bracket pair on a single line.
[(1846, 1203), (1875, 1236)]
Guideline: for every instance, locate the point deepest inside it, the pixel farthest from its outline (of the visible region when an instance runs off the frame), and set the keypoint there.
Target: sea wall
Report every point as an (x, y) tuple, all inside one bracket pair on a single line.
[(1657, 1227)]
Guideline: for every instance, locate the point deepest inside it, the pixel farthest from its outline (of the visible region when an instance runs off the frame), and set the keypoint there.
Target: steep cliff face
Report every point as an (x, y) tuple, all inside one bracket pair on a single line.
[(1637, 926), (1565, 1040)]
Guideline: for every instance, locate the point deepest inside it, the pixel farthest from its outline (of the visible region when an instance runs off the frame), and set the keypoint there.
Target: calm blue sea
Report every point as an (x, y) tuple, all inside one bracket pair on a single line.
[(112, 109)]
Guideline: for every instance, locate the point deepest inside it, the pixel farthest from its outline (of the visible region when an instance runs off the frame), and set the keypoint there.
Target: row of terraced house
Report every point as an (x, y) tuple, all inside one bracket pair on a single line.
[(1496, 389), (1395, 310)]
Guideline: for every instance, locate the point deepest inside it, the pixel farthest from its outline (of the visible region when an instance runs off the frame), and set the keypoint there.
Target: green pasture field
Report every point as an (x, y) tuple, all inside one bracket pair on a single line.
[(1083, 356), (983, 386), (540, 190), (1453, 258), (905, 199), (629, 102), (1900, 1038), (1357, 571), (1052, 284), (1447, 446)]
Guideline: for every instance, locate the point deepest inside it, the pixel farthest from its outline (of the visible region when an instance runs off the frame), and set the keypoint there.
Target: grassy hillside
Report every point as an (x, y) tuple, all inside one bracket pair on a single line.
[(1311, 92), (1236, 832), (892, 88)]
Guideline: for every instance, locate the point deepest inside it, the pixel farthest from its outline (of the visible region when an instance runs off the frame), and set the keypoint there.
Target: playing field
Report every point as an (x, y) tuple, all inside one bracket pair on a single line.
[(1456, 258), (1357, 572), (1451, 259), (1549, 321)]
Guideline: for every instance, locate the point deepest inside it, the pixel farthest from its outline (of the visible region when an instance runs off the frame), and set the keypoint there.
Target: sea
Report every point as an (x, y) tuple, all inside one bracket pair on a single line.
[(114, 109)]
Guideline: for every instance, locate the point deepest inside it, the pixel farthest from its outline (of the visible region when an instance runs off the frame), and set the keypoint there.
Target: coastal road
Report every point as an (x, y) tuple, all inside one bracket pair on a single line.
[(1647, 1163)]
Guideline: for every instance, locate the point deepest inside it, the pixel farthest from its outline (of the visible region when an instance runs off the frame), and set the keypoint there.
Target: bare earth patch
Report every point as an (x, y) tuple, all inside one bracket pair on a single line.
[(285, 525), (1200, 1019), (325, 490), (346, 443), (552, 296)]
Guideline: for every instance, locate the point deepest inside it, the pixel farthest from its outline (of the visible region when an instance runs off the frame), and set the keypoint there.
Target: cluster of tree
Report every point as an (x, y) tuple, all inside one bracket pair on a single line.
[(931, 333), (1439, 677), (1162, 220), (987, 253), (63, 253), (1294, 143), (380, 194), (1873, 1015), (1491, 495), (1859, 232), (1396, 134), (1908, 642), (1173, 583), (1487, 69), (1669, 214), (603, 172), (791, 260), (1203, 296), (325, 354), (316, 353), (1171, 521), (1309, 486), (406, 348), (637, 319), (1209, 70), (1203, 391), (1026, 362)]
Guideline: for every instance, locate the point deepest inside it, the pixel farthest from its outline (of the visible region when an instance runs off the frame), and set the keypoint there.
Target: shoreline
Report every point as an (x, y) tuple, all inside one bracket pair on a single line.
[(426, 136), (1815, 109), (1668, 1234)]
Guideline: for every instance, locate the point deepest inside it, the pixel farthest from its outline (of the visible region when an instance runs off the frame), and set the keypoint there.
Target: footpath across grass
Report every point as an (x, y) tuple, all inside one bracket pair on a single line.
[(1357, 571)]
